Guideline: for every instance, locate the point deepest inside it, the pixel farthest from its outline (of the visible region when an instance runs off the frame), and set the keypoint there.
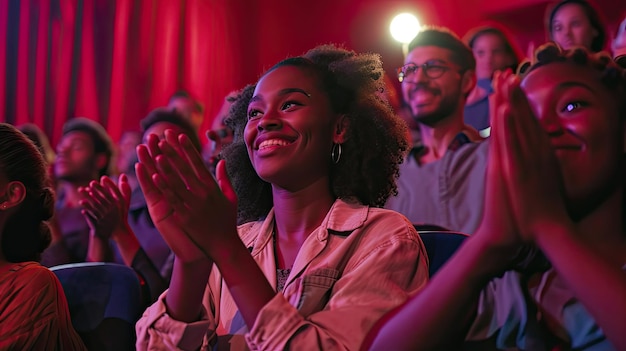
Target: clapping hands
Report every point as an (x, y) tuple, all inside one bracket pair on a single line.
[(194, 214)]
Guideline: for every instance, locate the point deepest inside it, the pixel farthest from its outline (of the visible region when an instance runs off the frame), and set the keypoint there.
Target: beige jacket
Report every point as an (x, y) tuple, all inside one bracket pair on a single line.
[(360, 263)]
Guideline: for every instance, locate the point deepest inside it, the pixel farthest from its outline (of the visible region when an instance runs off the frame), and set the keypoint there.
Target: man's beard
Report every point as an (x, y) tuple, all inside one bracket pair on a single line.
[(447, 106), (445, 109)]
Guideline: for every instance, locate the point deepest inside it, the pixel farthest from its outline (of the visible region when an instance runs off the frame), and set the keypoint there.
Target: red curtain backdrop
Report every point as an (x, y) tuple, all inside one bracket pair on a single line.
[(115, 60), (112, 61)]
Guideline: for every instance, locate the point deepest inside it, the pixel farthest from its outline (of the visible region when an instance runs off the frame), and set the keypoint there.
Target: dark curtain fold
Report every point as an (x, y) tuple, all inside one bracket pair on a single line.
[(114, 61)]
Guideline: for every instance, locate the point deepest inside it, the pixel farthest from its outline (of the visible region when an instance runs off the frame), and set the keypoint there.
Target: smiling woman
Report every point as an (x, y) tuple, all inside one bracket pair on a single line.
[(555, 181), (574, 23), (315, 152)]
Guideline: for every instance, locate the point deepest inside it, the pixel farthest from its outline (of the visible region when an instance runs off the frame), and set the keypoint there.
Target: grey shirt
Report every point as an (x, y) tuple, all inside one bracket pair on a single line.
[(448, 192)]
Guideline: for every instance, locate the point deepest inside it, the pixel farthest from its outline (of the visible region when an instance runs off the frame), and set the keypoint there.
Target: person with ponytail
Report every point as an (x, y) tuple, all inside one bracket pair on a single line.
[(33, 311)]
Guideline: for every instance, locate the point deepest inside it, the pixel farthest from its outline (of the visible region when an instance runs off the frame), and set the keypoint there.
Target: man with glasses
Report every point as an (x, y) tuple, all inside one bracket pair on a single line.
[(445, 170)]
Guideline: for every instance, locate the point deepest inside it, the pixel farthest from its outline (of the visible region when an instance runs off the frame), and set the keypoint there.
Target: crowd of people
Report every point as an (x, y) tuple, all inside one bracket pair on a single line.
[(296, 225)]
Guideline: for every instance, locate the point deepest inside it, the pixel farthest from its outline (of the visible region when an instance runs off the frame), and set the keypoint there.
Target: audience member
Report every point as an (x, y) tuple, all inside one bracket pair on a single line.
[(33, 310), (127, 157), (116, 213), (576, 23), (446, 172), (493, 51), (83, 154), (555, 183), (316, 263), (219, 135), (188, 107)]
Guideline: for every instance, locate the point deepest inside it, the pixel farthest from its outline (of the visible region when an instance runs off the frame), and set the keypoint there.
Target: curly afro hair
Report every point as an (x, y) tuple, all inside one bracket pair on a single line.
[(375, 141)]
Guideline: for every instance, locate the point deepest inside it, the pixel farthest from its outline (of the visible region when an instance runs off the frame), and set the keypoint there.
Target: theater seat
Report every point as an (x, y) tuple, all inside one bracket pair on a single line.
[(104, 301), (440, 245)]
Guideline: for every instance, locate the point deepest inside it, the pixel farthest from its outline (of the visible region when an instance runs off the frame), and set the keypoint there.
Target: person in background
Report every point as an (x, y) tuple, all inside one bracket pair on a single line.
[(33, 309), (188, 107), (556, 184), (127, 157), (84, 154), (219, 135), (442, 179), (120, 225), (315, 262), (494, 51), (573, 23)]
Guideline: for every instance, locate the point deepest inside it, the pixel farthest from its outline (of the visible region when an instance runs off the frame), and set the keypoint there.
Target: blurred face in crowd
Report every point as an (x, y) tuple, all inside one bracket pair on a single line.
[(432, 85), (76, 158), (187, 108), (571, 27), (581, 116), (126, 150), (159, 129), (220, 135), (491, 55)]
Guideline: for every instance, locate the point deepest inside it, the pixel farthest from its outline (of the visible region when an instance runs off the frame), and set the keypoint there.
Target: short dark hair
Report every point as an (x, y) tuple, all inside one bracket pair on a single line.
[(172, 117), (375, 143), (102, 142), (183, 94), (26, 233), (442, 37), (593, 16)]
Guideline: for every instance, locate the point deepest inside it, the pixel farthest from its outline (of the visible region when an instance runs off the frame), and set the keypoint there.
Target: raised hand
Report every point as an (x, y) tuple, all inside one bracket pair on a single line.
[(105, 205), (184, 200), (529, 165), (498, 227)]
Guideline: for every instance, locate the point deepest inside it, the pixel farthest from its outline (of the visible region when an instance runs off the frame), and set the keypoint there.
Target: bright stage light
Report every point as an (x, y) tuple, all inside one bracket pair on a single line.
[(404, 27)]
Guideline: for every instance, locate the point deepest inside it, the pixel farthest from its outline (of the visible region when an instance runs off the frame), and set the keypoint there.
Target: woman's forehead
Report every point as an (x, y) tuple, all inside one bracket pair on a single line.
[(288, 76), (560, 73)]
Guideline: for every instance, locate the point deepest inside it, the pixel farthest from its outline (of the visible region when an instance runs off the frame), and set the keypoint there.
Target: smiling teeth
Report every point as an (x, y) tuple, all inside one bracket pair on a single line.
[(272, 142)]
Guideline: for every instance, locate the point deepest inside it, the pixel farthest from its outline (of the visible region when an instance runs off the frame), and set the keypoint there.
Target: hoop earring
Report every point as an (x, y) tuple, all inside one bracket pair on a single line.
[(335, 154)]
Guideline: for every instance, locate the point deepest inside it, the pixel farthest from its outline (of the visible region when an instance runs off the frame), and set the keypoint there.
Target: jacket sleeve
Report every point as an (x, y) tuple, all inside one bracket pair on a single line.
[(380, 276)]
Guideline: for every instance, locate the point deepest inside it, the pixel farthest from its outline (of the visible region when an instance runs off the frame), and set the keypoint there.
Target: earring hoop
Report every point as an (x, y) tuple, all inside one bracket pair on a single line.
[(335, 153)]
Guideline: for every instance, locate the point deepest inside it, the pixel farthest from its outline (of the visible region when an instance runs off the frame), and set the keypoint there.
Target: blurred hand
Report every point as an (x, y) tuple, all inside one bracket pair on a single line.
[(105, 205)]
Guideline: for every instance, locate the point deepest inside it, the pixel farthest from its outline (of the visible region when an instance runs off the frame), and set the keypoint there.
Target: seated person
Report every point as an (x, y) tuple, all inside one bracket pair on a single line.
[(219, 135), (555, 184), (493, 51), (33, 310), (83, 154), (191, 109), (442, 180), (114, 212), (315, 263), (572, 23)]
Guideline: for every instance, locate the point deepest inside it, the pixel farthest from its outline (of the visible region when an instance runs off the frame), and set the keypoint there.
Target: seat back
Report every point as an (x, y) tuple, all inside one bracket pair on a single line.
[(104, 300), (440, 246)]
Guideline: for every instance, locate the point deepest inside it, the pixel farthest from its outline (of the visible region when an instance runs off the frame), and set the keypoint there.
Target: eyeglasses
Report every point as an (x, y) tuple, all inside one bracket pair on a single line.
[(432, 71)]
